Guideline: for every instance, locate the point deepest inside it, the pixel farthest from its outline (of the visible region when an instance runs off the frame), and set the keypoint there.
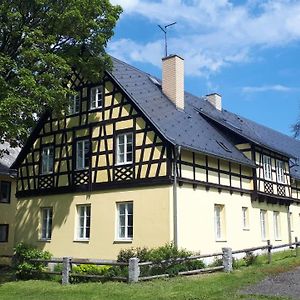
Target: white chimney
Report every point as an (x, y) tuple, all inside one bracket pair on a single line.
[(173, 79), (215, 100)]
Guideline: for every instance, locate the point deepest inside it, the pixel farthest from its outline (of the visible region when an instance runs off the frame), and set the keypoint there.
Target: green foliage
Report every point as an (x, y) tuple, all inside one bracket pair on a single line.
[(40, 43), (217, 262), (88, 269), (25, 269), (167, 253), (250, 258)]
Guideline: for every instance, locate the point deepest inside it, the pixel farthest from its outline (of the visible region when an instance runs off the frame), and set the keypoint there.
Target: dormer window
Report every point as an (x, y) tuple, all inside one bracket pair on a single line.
[(267, 166), (96, 97), (280, 171), (74, 104)]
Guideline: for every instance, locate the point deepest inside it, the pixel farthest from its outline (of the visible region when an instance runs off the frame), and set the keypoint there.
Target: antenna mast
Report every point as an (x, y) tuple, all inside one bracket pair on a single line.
[(164, 30)]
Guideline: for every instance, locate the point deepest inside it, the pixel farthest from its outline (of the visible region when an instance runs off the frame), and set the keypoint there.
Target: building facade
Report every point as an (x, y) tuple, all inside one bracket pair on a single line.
[(138, 162), (8, 202)]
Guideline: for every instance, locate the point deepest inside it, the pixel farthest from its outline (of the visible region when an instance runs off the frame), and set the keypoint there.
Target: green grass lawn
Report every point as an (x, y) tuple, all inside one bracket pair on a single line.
[(210, 286)]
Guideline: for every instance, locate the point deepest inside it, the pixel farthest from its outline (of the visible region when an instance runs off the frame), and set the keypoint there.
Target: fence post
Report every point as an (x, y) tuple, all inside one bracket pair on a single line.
[(269, 251), (227, 259), (133, 270), (297, 246), (66, 270)]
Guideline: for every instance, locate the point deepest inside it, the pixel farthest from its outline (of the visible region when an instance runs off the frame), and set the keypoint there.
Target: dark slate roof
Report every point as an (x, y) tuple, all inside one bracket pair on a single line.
[(7, 159), (192, 128), (185, 128), (259, 134)]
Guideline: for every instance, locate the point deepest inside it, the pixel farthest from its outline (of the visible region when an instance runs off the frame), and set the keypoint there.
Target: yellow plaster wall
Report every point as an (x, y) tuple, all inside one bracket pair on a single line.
[(7, 216), (151, 221), (196, 229)]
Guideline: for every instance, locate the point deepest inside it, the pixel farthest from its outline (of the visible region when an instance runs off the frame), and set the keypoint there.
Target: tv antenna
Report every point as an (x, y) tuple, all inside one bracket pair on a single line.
[(164, 29)]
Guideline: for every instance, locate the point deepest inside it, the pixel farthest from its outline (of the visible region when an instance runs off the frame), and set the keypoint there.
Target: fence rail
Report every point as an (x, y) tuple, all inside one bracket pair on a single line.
[(134, 266)]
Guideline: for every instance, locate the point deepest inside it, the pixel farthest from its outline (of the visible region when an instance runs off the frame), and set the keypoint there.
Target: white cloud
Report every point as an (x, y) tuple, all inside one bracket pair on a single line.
[(211, 34), (268, 88)]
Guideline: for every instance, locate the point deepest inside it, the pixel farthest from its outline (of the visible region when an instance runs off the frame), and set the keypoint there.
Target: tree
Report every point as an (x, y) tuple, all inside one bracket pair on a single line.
[(40, 42)]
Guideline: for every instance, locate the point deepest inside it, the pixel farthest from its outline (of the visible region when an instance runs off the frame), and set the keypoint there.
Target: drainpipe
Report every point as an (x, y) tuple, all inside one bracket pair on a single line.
[(289, 224), (175, 225)]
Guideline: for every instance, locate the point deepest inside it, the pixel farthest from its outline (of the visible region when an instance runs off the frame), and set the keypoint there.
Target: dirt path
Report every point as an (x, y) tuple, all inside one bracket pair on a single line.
[(284, 285)]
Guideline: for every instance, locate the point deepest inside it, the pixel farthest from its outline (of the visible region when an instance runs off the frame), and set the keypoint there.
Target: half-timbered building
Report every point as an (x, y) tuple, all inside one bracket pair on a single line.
[(136, 161)]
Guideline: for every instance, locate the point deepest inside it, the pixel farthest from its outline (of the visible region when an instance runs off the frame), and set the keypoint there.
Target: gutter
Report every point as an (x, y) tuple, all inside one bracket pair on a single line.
[(177, 150)]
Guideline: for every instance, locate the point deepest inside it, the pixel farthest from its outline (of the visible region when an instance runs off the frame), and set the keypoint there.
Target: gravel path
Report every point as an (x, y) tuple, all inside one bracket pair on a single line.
[(285, 285)]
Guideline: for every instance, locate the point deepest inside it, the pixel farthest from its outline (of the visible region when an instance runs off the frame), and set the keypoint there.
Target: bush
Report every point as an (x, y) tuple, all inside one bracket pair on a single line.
[(250, 258), (168, 253), (25, 269), (89, 269), (217, 262)]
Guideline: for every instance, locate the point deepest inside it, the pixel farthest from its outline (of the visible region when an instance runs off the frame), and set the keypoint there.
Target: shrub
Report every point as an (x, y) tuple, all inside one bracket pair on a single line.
[(167, 253), (217, 262), (89, 269), (250, 258), (25, 269)]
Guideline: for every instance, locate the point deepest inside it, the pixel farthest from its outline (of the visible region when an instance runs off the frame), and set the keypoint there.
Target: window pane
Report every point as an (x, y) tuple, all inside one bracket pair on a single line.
[(122, 209), (3, 232), (130, 232), (5, 192), (130, 208)]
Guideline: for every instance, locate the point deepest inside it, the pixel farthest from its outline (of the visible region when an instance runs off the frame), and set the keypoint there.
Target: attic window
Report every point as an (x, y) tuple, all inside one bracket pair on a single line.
[(224, 146), (155, 81)]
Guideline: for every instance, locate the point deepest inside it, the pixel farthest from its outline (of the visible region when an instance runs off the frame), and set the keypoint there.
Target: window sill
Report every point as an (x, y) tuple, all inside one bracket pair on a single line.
[(123, 241), (4, 202), (124, 164), (221, 241), (81, 241), (246, 229), (278, 240), (95, 108), (44, 240)]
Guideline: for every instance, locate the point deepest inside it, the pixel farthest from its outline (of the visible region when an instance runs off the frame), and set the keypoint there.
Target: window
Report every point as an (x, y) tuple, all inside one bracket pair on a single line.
[(4, 192), (96, 97), (245, 215), (84, 222), (267, 165), (280, 171), (276, 220), (219, 222), (125, 220), (47, 160), (82, 154), (263, 224), (124, 148), (46, 223), (3, 233), (74, 103)]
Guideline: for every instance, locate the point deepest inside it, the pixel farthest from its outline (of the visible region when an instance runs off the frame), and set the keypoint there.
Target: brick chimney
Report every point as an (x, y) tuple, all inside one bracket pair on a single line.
[(173, 79), (215, 100)]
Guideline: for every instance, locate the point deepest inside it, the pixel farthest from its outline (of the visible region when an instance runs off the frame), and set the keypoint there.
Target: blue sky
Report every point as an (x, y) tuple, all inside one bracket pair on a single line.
[(247, 51)]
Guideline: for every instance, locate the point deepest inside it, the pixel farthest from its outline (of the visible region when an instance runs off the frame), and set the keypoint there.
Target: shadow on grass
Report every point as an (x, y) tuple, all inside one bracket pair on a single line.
[(6, 274)]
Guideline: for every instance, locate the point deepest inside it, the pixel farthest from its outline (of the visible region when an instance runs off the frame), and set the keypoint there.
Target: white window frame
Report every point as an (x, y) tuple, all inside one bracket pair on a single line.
[(46, 228), (219, 222), (263, 224), (75, 104), (277, 225), (83, 227), (47, 160), (245, 218), (96, 97), (126, 236), (280, 171), (121, 157), (267, 167), (82, 153)]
